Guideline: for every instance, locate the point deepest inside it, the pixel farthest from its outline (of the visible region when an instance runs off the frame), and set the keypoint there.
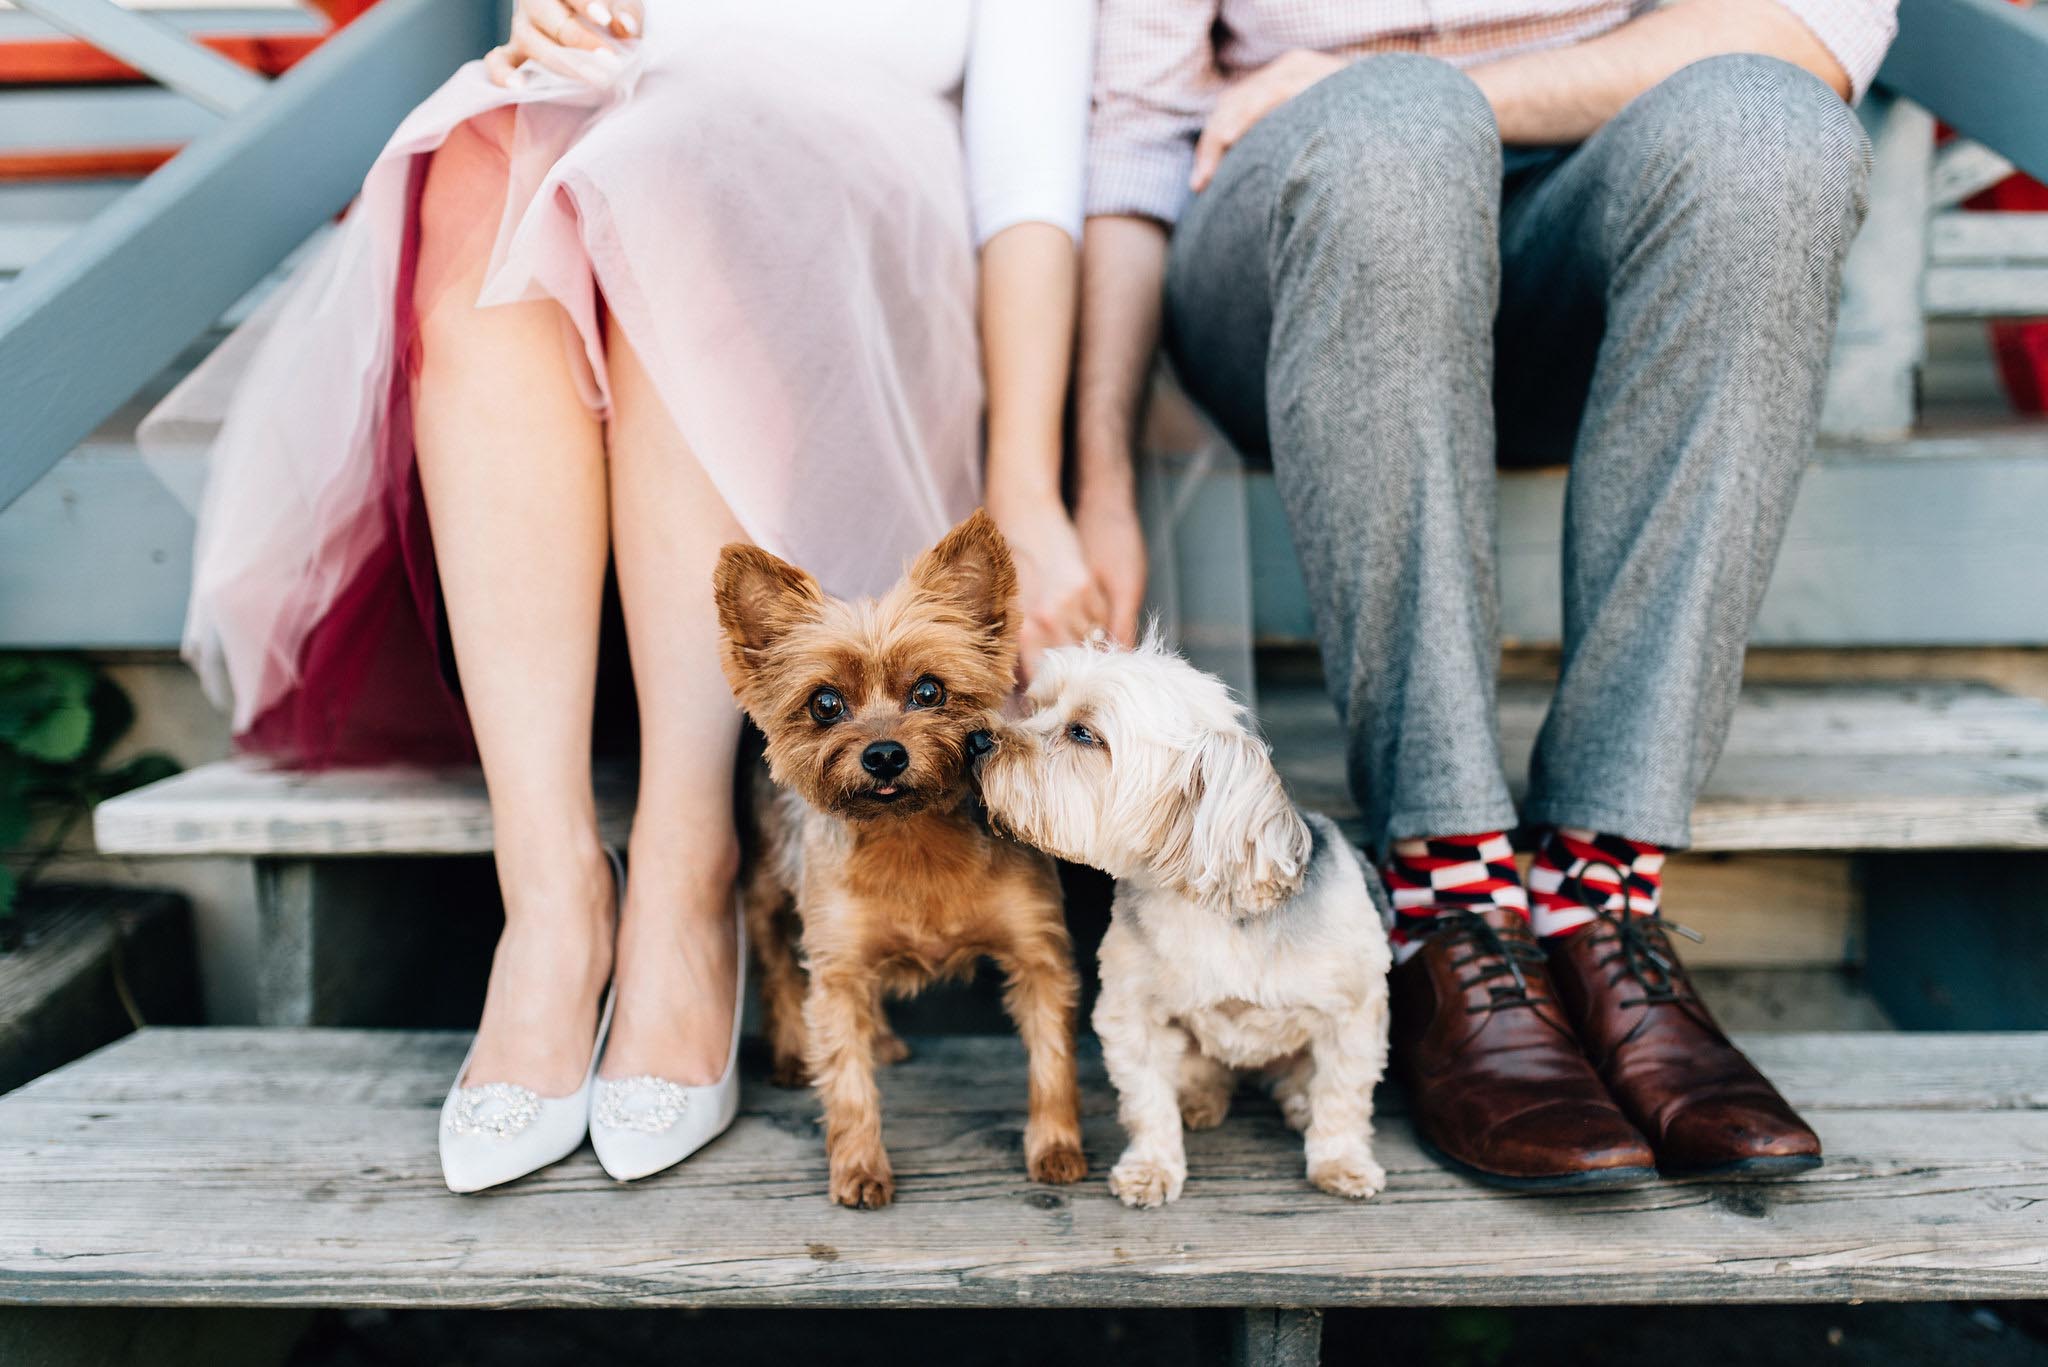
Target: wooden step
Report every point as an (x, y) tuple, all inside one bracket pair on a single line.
[(1808, 767), (267, 1168), (1933, 541)]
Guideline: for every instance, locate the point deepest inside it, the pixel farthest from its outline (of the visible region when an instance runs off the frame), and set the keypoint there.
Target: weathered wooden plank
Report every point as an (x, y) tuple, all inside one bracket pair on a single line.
[(1962, 169), (22, 243), (1806, 768), (1813, 768), (1276, 1338), (1986, 291), (1961, 238), (1765, 910), (246, 807), (155, 49), (259, 1198), (1891, 543), (93, 119), (409, 1070), (227, 209), (1919, 542), (1879, 336)]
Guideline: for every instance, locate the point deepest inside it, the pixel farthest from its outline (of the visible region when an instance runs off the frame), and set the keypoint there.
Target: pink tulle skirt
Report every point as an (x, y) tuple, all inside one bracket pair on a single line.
[(783, 236)]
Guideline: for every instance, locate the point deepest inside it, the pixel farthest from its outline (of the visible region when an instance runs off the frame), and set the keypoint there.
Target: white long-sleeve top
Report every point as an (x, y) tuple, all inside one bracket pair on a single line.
[(1020, 70)]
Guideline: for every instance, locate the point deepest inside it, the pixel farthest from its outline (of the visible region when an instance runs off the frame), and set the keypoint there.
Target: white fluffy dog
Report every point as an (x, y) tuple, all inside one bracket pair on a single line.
[(1243, 935)]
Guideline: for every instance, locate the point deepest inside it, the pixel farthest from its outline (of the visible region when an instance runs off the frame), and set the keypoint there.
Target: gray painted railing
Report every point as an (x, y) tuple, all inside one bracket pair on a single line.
[(88, 324), (93, 320), (1981, 66)]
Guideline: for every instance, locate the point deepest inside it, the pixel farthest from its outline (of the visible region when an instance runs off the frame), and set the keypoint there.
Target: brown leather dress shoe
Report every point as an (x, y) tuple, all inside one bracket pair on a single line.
[(1496, 1082), (1705, 1107)]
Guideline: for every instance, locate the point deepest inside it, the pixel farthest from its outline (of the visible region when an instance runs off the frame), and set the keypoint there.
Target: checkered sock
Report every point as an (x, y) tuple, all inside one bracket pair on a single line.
[(1571, 863), (1429, 877)]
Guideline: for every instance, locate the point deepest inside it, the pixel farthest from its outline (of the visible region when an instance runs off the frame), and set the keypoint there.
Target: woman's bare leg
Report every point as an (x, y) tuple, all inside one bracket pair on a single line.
[(513, 467), (677, 946)]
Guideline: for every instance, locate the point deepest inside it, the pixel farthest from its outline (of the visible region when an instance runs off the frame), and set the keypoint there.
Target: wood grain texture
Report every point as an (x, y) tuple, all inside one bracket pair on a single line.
[(1765, 910), (244, 806), (1845, 767), (295, 1168), (1879, 336), (2012, 291), (1807, 767)]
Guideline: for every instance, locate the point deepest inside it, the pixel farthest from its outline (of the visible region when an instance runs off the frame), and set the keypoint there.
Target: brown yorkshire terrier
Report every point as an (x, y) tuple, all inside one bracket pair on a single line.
[(868, 832)]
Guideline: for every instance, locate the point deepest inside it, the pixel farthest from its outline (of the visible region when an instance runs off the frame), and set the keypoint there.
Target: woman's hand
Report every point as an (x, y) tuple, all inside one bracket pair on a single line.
[(1113, 541), (1060, 600), (574, 38), (1250, 98)]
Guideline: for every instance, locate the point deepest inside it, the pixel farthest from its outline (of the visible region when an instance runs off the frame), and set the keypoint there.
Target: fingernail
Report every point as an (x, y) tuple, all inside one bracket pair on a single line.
[(600, 14), (630, 24)]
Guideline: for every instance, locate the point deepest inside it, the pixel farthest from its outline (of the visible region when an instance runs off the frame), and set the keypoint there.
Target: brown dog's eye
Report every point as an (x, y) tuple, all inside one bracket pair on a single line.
[(927, 692), (827, 706), (1081, 735)]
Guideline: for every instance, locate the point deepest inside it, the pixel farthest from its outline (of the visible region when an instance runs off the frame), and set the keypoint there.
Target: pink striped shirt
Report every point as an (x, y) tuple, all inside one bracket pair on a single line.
[(1160, 64)]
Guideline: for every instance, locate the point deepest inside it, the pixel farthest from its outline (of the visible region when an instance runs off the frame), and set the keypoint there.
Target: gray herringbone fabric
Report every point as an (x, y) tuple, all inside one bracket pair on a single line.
[(1369, 282)]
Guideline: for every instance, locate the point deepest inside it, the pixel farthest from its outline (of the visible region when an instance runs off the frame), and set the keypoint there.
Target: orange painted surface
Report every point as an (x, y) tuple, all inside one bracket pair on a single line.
[(68, 61), (136, 161)]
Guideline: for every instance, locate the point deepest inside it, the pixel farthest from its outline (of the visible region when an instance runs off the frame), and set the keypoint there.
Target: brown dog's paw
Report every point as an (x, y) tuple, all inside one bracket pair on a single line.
[(890, 1048), (1204, 1110), (863, 1185), (1058, 1163), (789, 1072)]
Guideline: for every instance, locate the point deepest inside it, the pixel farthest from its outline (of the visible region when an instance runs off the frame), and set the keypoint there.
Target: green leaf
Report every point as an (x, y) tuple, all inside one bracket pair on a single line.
[(60, 735), (8, 887), (16, 812), (31, 687), (112, 714), (146, 768)]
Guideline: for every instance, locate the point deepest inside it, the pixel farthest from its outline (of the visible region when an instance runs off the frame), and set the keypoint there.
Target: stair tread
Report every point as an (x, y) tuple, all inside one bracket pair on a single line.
[(273, 1167), (1807, 766)]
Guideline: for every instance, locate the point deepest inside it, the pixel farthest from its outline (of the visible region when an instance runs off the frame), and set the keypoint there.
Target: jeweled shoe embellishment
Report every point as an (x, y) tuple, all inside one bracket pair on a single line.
[(647, 1104), (497, 1109)]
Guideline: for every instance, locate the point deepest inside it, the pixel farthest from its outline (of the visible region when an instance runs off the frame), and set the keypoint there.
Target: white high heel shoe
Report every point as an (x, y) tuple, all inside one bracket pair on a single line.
[(641, 1125), (499, 1131)]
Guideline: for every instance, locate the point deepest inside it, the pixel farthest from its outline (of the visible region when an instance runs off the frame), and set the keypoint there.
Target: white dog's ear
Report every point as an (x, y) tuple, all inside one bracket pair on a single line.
[(1238, 841)]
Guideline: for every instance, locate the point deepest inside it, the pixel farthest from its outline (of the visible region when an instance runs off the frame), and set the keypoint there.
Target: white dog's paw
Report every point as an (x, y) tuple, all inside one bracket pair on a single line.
[(1353, 1175), (1141, 1182), (1294, 1108)]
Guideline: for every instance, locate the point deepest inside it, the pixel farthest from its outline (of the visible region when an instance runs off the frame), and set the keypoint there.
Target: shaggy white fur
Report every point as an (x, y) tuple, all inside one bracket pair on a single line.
[(1244, 936)]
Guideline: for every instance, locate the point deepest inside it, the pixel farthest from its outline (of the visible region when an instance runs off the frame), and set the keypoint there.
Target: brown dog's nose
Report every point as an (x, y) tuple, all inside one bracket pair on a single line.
[(885, 759)]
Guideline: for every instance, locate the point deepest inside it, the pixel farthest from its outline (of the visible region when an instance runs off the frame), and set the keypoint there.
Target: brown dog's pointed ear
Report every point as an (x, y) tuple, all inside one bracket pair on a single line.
[(971, 566), (759, 597)]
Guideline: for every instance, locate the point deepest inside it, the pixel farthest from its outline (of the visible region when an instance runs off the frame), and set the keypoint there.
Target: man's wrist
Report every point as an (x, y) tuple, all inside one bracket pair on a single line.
[(1104, 460)]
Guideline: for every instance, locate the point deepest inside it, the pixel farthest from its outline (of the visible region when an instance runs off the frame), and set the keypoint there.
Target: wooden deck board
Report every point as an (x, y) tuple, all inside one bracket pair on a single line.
[(278, 1168), (1807, 767)]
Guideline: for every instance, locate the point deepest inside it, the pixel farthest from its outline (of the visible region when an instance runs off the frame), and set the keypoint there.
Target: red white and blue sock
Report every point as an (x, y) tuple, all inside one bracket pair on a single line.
[(1427, 878), (1573, 867)]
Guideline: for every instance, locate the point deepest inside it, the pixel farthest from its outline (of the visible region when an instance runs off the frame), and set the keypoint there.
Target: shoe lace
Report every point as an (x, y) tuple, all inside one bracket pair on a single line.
[(1642, 945), (1495, 959)]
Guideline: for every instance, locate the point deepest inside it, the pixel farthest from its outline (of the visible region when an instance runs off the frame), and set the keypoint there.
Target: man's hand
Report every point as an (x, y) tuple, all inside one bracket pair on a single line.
[(1114, 543), (1123, 274), (1250, 98)]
